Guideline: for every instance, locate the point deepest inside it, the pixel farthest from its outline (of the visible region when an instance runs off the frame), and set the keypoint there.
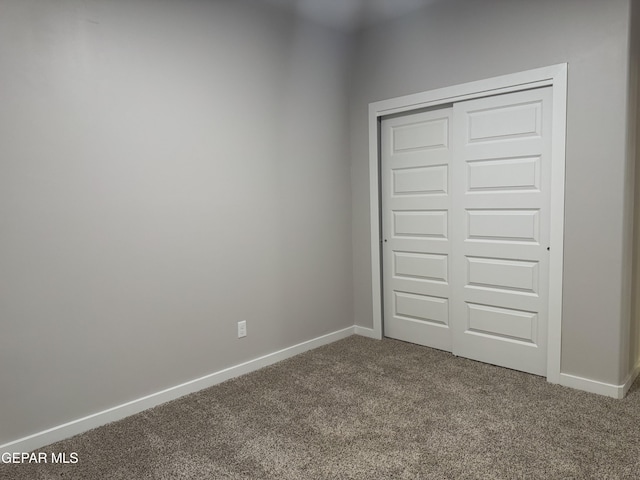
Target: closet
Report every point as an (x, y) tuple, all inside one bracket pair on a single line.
[(465, 192)]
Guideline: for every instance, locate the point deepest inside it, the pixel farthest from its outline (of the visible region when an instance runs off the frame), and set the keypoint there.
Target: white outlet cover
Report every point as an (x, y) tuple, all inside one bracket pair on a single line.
[(242, 329)]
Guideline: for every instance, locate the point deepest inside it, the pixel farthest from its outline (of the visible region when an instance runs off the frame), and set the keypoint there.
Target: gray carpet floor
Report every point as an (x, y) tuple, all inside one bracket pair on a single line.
[(365, 409)]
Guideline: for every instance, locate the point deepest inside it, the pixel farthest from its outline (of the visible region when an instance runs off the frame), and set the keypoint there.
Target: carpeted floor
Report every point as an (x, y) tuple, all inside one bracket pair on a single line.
[(365, 409)]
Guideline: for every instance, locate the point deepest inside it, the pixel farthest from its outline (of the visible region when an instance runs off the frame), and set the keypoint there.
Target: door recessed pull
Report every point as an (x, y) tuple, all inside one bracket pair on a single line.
[(548, 249), (385, 240)]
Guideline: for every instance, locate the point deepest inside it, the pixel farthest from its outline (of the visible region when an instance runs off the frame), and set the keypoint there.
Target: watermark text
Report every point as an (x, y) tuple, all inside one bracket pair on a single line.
[(39, 457)]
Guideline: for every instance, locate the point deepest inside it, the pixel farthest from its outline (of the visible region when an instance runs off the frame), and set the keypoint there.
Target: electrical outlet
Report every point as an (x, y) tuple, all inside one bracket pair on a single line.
[(242, 329)]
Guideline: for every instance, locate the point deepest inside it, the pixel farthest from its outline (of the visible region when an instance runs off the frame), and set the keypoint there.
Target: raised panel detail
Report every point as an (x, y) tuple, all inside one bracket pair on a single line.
[(516, 275), (420, 180), (504, 175), (422, 307), (505, 123), (422, 223), (419, 136), (420, 266), (502, 322), (503, 225)]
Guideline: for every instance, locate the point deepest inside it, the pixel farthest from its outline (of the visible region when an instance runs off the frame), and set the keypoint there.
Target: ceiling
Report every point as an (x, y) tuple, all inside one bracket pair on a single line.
[(350, 15)]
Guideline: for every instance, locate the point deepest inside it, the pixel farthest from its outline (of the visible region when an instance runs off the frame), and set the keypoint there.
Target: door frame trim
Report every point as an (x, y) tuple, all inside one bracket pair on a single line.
[(554, 76)]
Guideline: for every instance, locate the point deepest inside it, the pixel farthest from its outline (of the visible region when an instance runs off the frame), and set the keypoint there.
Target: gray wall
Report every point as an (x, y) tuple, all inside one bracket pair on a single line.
[(457, 41), (633, 337), (167, 168)]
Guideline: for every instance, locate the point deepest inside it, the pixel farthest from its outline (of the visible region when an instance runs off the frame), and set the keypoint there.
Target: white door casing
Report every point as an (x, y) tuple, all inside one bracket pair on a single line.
[(416, 181), (554, 76)]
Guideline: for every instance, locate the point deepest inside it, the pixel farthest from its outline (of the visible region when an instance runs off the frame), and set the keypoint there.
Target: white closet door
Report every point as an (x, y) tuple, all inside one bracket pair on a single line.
[(416, 184), (500, 229)]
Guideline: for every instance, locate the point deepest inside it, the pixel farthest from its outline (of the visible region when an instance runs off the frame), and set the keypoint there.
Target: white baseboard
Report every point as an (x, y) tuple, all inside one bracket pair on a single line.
[(632, 378), (592, 386), (366, 332), (601, 388), (80, 425)]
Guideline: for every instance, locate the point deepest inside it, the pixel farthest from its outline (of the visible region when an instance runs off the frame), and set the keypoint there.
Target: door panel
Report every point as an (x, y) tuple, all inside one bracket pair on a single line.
[(422, 266), (500, 229), (509, 225), (416, 162), (420, 223), (499, 322), (504, 122), (422, 307), (419, 133), (420, 180), (500, 274), (507, 175)]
